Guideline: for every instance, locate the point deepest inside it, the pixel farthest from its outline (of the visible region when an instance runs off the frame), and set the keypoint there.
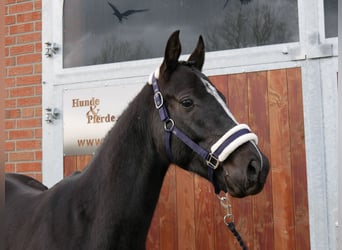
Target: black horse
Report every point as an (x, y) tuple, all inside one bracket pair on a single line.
[(182, 119)]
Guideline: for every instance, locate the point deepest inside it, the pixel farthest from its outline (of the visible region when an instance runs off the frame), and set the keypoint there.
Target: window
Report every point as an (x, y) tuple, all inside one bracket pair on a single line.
[(98, 32), (330, 18)]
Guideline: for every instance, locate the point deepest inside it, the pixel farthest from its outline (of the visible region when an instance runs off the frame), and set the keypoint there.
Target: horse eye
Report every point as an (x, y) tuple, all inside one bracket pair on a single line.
[(187, 103)]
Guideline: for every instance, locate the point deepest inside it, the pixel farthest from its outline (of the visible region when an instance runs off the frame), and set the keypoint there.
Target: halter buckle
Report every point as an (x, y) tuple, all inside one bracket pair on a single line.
[(212, 161), (158, 99)]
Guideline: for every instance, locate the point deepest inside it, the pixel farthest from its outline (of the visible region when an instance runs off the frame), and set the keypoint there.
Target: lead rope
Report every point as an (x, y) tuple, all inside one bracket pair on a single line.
[(229, 220)]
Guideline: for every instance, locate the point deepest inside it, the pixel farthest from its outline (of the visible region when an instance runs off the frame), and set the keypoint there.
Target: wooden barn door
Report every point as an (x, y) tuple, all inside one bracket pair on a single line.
[(188, 215)]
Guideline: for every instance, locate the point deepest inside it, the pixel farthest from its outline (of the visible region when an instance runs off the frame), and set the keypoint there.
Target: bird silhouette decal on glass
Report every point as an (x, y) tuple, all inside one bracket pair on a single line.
[(124, 15)]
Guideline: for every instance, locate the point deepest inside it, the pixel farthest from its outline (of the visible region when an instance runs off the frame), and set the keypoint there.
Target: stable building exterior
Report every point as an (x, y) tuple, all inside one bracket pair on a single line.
[(72, 60)]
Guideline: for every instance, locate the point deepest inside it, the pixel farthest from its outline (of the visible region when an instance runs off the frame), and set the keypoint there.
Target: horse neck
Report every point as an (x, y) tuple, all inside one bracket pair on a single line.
[(126, 175)]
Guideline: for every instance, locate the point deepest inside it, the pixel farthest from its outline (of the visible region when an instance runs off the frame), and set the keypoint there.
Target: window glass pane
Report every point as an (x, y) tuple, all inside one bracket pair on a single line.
[(330, 18), (97, 32)]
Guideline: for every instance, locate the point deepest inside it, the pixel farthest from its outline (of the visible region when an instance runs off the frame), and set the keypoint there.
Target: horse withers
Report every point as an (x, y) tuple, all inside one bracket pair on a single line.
[(178, 117)]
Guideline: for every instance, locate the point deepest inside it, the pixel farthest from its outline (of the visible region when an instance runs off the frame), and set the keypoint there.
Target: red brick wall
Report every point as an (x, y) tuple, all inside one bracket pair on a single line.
[(23, 87)]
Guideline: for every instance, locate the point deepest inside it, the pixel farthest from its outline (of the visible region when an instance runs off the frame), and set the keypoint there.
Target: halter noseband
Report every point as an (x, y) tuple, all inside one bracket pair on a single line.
[(219, 151)]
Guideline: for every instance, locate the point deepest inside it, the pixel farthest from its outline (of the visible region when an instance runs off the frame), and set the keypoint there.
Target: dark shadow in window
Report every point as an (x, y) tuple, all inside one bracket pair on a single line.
[(330, 18)]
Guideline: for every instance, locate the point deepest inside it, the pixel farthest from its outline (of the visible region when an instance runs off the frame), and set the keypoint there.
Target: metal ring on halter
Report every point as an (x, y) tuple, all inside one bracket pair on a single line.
[(168, 125)]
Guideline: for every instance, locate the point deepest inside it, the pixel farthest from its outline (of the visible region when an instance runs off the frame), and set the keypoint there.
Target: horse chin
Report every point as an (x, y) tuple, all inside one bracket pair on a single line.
[(234, 190), (240, 191)]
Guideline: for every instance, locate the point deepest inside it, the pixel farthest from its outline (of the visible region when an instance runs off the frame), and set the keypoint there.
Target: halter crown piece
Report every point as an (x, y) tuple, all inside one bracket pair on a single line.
[(219, 151)]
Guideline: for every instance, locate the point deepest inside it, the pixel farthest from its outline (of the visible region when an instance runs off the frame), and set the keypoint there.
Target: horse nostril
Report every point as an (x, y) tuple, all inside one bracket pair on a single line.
[(252, 172)]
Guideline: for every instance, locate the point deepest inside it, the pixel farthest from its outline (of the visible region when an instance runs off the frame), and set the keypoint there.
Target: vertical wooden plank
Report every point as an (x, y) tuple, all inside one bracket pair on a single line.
[(185, 209), (204, 214), (238, 96), (281, 160), (298, 161), (70, 165), (152, 241), (168, 211), (259, 123), (242, 208), (82, 161), (220, 83)]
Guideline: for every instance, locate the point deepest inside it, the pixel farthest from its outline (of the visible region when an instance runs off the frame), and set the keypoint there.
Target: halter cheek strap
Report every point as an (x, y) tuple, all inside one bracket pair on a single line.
[(219, 151)]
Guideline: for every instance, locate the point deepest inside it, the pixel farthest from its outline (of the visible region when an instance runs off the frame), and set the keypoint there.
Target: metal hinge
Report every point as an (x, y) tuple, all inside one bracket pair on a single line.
[(51, 49), (51, 115), (296, 53), (320, 51), (313, 52)]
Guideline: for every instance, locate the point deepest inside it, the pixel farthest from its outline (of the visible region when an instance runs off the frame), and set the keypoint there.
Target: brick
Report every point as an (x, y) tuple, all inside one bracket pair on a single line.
[(20, 8), (38, 26), (30, 144), (9, 146), (38, 5), (38, 90), (28, 167), (30, 37), (7, 93), (12, 113), (21, 28), (10, 40), (22, 91), (10, 61), (29, 101), (38, 155), (29, 17), (38, 133), (10, 103), (21, 156), (27, 112), (20, 70), (38, 112), (37, 69), (38, 47), (10, 1), (10, 20), (28, 59), (29, 123), (29, 80), (9, 167), (9, 82), (10, 124), (20, 134), (22, 49)]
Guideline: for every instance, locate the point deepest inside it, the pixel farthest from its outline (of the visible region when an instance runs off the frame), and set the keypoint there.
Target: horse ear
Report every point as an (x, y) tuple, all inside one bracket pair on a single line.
[(197, 55), (171, 55)]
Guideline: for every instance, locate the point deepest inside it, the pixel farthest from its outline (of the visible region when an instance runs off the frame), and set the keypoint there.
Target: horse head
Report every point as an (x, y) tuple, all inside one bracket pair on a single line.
[(201, 134)]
